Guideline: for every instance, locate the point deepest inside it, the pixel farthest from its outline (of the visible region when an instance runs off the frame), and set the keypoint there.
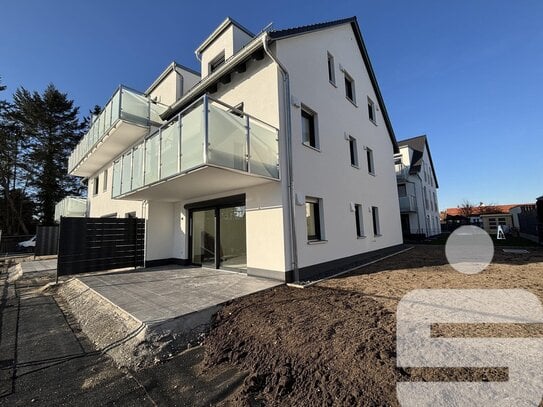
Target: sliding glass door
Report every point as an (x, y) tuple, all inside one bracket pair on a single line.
[(203, 237)]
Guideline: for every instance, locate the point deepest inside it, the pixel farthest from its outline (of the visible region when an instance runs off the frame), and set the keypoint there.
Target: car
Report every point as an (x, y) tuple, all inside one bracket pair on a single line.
[(27, 244)]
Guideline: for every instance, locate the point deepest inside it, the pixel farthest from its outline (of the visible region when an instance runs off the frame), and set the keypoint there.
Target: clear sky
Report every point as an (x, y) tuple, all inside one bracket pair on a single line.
[(468, 73)]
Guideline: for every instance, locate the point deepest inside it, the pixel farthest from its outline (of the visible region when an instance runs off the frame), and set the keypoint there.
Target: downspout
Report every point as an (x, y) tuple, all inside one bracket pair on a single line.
[(145, 215), (288, 142)]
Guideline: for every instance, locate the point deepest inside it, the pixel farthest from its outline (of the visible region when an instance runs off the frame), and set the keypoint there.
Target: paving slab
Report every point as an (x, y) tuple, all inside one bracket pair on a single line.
[(158, 294)]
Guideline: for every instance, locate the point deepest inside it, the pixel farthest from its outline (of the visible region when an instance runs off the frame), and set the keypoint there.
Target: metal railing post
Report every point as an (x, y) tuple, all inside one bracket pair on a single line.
[(248, 135), (180, 135), (206, 127), (159, 154)]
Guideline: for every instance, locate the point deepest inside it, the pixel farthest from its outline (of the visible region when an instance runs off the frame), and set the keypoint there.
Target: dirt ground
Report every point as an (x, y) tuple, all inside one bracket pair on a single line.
[(334, 343)]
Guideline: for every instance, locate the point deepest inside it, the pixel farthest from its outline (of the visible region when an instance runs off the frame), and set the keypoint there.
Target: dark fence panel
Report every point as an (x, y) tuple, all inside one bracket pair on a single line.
[(46, 240), (10, 244), (97, 244)]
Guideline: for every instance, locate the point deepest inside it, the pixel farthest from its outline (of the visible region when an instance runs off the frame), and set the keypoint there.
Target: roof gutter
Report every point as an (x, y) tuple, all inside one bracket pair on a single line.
[(288, 151)]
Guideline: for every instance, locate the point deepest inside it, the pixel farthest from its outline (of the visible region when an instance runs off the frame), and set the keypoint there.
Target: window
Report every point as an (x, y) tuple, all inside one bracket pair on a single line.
[(130, 215), (313, 219), (359, 220), (369, 158), (105, 181), (402, 190), (309, 132), (375, 219), (331, 70), (349, 88), (215, 63), (371, 111), (353, 150), (96, 188)]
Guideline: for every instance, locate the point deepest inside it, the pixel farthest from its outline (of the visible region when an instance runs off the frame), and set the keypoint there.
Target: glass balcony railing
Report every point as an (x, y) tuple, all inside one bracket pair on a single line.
[(408, 203), (206, 133), (402, 172), (126, 105)]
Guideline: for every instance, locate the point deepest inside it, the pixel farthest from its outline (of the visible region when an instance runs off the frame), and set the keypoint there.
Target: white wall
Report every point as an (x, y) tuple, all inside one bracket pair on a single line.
[(328, 174)]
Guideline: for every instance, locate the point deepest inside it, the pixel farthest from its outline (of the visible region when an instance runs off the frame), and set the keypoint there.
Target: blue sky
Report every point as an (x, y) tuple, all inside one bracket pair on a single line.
[(467, 73)]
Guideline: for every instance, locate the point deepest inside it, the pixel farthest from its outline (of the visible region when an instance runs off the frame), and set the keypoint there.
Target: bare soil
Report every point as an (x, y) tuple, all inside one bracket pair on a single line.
[(334, 343)]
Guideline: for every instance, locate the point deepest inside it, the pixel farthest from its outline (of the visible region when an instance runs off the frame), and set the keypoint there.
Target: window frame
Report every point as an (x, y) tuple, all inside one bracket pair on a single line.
[(331, 68), (375, 221), (216, 62), (372, 111), (359, 221), (312, 115), (318, 219), (349, 79), (104, 183), (353, 152), (370, 161), (96, 185)]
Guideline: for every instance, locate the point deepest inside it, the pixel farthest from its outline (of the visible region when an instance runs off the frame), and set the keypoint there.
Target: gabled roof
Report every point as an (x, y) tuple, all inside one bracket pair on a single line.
[(418, 144), (290, 32), (166, 72), (219, 30)]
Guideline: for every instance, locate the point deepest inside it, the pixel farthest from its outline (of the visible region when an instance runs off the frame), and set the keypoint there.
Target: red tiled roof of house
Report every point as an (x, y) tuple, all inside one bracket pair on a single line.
[(477, 210)]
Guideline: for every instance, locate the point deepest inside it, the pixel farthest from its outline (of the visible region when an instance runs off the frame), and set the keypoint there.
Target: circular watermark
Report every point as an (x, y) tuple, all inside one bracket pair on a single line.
[(469, 249)]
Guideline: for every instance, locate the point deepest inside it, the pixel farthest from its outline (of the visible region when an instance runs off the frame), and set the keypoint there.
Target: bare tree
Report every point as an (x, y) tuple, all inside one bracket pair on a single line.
[(467, 209)]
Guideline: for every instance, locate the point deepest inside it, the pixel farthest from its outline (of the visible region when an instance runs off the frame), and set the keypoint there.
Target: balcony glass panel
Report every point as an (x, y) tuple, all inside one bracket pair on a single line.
[(126, 177), (227, 140), (115, 107), (116, 189), (156, 109), (264, 149), (192, 138), (135, 107), (169, 150), (107, 117), (137, 167), (151, 159)]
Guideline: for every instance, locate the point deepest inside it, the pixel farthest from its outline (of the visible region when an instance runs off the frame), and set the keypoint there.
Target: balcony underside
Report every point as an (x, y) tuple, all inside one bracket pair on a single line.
[(200, 182), (120, 136)]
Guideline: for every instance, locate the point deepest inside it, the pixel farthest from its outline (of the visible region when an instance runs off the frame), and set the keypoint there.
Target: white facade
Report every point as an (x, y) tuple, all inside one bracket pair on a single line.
[(285, 214), (417, 188)]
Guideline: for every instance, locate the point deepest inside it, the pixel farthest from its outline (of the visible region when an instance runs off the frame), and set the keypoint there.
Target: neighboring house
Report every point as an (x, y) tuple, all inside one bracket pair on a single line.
[(417, 188), (276, 161), (491, 222), (528, 219), (455, 217), (71, 206)]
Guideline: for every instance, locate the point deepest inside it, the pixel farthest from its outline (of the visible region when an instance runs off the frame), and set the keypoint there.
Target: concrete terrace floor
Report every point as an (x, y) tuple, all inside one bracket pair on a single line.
[(158, 294)]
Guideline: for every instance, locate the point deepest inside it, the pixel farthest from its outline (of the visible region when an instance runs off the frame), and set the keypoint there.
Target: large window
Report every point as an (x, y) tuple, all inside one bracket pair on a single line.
[(359, 220), (369, 158), (353, 151), (375, 219), (309, 128), (349, 88), (331, 69), (371, 111), (313, 219)]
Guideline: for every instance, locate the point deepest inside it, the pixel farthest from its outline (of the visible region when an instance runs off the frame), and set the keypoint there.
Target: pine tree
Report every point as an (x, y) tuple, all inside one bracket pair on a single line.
[(50, 131)]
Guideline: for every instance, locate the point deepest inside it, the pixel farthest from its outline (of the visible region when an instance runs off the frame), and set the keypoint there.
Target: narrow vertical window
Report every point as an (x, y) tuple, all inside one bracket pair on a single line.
[(349, 88), (353, 151), (375, 219), (369, 158), (371, 111), (313, 214), (309, 133), (105, 181), (96, 186), (359, 220), (331, 69)]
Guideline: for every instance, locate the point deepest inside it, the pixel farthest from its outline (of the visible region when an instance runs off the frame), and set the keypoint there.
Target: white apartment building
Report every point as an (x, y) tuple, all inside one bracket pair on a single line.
[(277, 160), (417, 188)]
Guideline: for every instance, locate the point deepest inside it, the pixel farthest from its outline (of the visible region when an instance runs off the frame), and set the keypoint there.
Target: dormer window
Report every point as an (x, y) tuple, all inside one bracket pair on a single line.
[(216, 62)]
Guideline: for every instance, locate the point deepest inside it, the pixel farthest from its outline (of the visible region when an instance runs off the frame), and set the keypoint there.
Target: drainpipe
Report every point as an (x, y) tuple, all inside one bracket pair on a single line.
[(288, 142), (145, 215)]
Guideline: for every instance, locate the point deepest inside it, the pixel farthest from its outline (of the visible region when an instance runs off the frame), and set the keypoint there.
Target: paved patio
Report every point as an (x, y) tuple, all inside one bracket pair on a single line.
[(156, 295)]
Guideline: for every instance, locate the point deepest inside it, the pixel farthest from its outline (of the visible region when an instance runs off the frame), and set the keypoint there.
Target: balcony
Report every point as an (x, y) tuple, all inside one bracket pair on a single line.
[(210, 147), (402, 172), (408, 203), (125, 119)]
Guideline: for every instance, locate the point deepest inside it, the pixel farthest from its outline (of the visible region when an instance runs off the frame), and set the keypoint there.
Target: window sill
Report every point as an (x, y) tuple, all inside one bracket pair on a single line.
[(311, 242), (311, 147), (377, 235), (332, 83), (352, 101), (372, 174), (373, 121), (355, 166), (361, 237)]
